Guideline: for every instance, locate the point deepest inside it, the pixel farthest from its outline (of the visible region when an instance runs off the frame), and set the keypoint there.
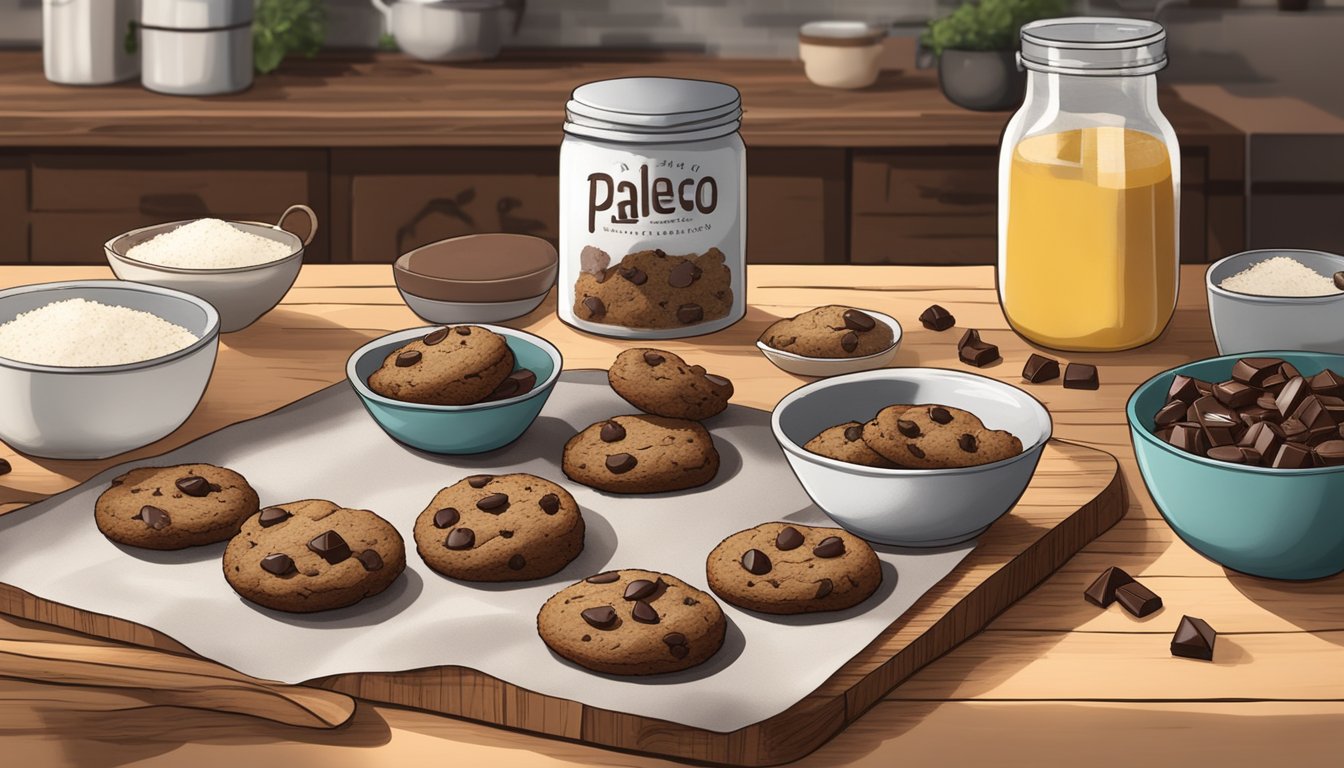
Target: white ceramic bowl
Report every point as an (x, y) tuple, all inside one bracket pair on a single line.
[(1244, 322), (840, 54), (241, 294), (803, 365), (91, 413), (457, 312), (911, 507)]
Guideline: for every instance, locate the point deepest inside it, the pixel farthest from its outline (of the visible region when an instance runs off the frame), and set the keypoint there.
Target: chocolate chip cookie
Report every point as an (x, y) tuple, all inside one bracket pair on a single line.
[(641, 454), (844, 442), (313, 555), (791, 568), (937, 437), (174, 507), (500, 528), (652, 289), (831, 331), (663, 384), (632, 622), (448, 366)]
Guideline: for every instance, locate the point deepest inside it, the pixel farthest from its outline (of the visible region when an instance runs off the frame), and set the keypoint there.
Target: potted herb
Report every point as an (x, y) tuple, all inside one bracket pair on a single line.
[(282, 27), (976, 48)]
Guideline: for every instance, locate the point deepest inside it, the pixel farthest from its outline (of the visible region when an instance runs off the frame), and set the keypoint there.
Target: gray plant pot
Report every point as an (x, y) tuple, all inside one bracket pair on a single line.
[(981, 80)]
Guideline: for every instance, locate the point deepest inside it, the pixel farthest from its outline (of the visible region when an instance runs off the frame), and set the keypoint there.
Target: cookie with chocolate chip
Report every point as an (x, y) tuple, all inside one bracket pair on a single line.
[(937, 437), (313, 555), (791, 568), (844, 442), (632, 622), (641, 454), (512, 527), (456, 365), (175, 507), (661, 383), (831, 331), (654, 289)]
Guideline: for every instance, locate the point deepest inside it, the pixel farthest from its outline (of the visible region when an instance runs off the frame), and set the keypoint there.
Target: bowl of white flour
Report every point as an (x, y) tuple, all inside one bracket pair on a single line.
[(1280, 298), (93, 368), (243, 268)]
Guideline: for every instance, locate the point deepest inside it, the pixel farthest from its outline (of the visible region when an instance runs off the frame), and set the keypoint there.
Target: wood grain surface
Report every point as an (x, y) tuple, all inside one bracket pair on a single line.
[(1050, 679)]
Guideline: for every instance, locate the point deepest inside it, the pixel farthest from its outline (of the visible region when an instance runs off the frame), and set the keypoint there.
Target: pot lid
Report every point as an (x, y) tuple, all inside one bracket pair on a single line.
[(655, 104), (841, 33), (1094, 46), (195, 14)]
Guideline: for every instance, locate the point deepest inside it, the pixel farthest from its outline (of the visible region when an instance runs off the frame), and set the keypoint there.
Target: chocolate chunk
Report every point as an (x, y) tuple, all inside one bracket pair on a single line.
[(1327, 383), (1267, 402), (517, 563), (971, 336), (853, 433), (1288, 371), (460, 538), (1040, 368), (193, 486), (717, 381), (606, 577), (1231, 453), (595, 307), (408, 358), (1189, 437), (1170, 414), (603, 617), (907, 428), (1339, 280), (520, 382), (277, 564), (679, 651), (370, 559), (1293, 430), (1212, 414), (1183, 390), (653, 358), (690, 313), (550, 503), (979, 354), (273, 516), (435, 337), (1255, 414), (479, 481), (788, 538), (1194, 639), (756, 562), (1102, 590), (940, 415), (639, 589), (612, 432), (6, 468), (831, 546), (446, 518), (1292, 395), (967, 443), (153, 517), (683, 274), (1081, 376), (644, 613), (935, 318), (1234, 394), (329, 546), (849, 342), (1330, 453), (635, 275), (495, 503), (1263, 438), (1274, 384), (689, 601), (1137, 599), (824, 588), (462, 330), (674, 638), (620, 463), (858, 321), (915, 450), (1253, 371), (1292, 456)]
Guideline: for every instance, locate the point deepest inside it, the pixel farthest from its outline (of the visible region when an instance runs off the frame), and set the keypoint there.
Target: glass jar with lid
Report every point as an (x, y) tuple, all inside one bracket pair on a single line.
[(653, 208), (1089, 188)]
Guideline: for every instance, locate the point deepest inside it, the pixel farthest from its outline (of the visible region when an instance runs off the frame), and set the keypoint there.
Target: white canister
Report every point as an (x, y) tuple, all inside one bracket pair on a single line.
[(196, 47), (653, 208), (89, 42)]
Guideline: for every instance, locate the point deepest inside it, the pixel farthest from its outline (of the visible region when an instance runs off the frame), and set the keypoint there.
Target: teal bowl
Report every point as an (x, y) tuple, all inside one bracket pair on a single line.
[(1275, 523), (457, 429)]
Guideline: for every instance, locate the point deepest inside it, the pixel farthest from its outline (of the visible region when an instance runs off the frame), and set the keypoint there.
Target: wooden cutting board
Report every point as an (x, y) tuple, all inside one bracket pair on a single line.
[(1076, 494)]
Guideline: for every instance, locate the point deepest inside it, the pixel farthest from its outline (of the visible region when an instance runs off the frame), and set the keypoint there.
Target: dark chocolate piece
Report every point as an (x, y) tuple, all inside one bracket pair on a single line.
[(6, 468), (849, 342), (446, 517), (1327, 383), (603, 617), (1081, 376), (853, 433), (371, 560), (935, 318), (495, 503), (639, 589), (1040, 368), (408, 358), (606, 577), (1330, 453), (858, 321), (595, 307), (1102, 590), (788, 538), (756, 562), (824, 588), (611, 432), (831, 546), (1292, 395), (1234, 394), (620, 463), (683, 274), (644, 613), (1183, 390), (1339, 280), (1253, 371), (273, 516), (1194, 639), (1292, 456), (1170, 414), (479, 481), (329, 546), (635, 275), (194, 486), (550, 503), (690, 313), (153, 517), (653, 359), (940, 415), (435, 337), (907, 428), (277, 564), (1137, 599), (460, 538), (978, 354)]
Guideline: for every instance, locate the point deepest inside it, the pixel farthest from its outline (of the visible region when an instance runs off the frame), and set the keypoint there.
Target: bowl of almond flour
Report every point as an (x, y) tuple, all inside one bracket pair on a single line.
[(243, 268), (1281, 298), (93, 368)]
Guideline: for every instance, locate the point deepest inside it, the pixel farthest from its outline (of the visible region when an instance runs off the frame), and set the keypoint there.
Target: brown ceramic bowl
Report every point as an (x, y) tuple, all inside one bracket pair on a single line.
[(476, 278)]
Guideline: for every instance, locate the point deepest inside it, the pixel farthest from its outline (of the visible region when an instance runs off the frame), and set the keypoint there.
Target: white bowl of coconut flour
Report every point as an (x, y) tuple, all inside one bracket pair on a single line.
[(1277, 299), (243, 268), (94, 368)]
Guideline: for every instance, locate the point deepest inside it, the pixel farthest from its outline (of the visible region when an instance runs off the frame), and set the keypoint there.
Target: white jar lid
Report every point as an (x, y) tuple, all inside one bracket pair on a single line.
[(1094, 46), (195, 14), (652, 105)]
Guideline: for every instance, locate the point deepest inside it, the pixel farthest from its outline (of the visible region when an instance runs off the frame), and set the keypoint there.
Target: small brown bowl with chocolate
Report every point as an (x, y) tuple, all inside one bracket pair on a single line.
[(486, 278)]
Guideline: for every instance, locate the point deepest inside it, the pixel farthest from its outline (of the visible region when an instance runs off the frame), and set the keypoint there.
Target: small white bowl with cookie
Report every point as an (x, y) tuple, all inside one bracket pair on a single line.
[(915, 457), (831, 341)]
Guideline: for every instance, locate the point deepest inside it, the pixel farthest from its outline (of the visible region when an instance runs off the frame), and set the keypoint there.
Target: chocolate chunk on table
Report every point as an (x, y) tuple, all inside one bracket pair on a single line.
[(1102, 590), (1139, 600), (974, 351), (1081, 376), (1194, 639), (935, 318), (1040, 368)]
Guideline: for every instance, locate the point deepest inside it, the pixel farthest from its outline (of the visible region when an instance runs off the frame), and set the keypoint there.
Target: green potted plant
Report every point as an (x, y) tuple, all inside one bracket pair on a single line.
[(282, 27), (976, 47)]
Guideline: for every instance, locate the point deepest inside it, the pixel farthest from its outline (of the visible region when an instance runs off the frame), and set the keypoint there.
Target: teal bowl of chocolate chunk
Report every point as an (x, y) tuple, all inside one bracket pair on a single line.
[(1244, 457), (461, 429)]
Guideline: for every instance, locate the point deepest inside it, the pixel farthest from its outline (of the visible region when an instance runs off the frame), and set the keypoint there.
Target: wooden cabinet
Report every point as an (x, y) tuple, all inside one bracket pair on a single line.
[(796, 200), (13, 208)]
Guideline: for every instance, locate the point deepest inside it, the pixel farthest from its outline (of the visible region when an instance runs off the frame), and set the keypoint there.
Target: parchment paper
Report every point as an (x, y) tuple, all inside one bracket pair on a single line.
[(326, 446)]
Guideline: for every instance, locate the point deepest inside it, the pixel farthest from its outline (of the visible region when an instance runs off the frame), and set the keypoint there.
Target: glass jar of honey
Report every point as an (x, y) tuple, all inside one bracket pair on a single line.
[(1089, 189)]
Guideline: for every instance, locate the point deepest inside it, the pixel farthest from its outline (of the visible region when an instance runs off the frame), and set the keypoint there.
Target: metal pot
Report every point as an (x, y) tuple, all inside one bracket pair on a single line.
[(981, 80), (451, 30), (89, 42), (196, 47)]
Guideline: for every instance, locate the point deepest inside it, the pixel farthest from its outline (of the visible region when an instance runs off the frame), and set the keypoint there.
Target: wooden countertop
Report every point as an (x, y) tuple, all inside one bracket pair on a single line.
[(1052, 678), (384, 100)]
